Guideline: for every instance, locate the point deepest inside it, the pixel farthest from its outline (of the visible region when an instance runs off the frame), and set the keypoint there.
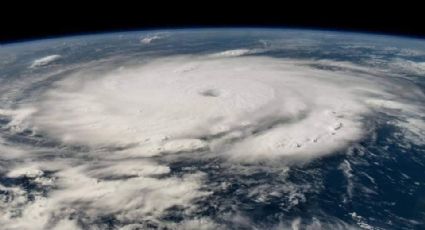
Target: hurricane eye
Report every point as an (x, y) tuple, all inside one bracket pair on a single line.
[(210, 93)]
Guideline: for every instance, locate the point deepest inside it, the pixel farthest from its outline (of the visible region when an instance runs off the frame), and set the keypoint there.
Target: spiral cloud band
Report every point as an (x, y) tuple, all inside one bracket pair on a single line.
[(246, 108)]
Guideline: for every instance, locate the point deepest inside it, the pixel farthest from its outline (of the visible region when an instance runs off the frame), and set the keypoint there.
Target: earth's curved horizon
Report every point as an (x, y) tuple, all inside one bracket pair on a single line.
[(243, 128)]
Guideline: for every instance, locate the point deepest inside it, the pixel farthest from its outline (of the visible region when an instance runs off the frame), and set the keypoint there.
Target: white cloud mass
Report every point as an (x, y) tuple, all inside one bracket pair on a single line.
[(268, 106)]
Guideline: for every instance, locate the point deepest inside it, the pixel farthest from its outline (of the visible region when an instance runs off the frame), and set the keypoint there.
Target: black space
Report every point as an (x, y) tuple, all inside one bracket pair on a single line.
[(21, 23)]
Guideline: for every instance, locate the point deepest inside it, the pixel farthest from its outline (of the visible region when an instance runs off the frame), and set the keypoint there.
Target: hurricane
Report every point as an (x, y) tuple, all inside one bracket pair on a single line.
[(212, 129)]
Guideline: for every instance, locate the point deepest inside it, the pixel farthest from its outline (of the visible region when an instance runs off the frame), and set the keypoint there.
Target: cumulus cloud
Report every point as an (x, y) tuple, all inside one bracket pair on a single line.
[(407, 66), (96, 189), (150, 38), (45, 60)]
